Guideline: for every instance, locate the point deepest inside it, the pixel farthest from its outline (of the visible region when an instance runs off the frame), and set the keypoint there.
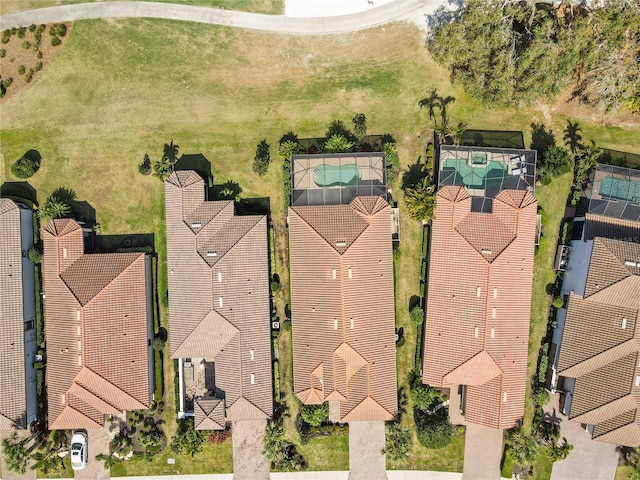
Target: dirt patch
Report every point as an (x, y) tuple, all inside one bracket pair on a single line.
[(26, 54)]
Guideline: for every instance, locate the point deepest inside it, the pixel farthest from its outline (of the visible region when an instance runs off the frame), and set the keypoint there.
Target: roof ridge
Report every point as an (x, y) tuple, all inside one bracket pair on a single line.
[(595, 362), (87, 370), (364, 218), (104, 287)]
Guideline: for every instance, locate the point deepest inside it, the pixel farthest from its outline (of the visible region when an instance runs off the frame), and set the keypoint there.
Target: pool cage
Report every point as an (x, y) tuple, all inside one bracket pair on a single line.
[(615, 192), (484, 172), (336, 179)]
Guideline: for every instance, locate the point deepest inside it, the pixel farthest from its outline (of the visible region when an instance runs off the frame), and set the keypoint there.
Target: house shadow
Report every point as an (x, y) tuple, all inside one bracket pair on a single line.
[(254, 206), (82, 211), (134, 242), (197, 162), (19, 191)]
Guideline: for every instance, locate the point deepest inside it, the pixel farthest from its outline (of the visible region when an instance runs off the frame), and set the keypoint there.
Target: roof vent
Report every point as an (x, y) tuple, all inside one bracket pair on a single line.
[(334, 274), (341, 243), (196, 225), (251, 354), (624, 323), (476, 331), (629, 263), (486, 251), (493, 333), (504, 396), (253, 378), (350, 272), (335, 323), (219, 277), (212, 254)]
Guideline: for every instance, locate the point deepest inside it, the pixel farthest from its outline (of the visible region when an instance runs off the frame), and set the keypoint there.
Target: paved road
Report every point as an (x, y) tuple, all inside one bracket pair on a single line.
[(397, 10)]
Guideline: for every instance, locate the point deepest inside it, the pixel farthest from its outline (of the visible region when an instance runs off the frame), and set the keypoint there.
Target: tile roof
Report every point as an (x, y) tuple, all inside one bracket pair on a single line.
[(601, 344), (610, 227), (209, 413), (219, 305), (13, 402), (97, 334), (343, 307), (478, 302)]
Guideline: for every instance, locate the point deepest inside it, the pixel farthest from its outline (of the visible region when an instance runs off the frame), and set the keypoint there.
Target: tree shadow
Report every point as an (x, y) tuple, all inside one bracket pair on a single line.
[(19, 191), (197, 162), (551, 417), (414, 175), (414, 301), (229, 190), (541, 138), (134, 242)]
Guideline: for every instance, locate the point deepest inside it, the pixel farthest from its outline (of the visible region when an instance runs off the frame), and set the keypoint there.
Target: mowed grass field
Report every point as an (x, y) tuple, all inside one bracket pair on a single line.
[(121, 88), (273, 7)]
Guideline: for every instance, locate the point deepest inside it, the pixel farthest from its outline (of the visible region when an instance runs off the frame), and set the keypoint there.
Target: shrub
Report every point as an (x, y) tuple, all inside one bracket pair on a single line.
[(314, 415), (158, 343), (422, 396), (275, 286), (3, 53), (434, 431), (556, 160), (22, 69), (41, 28), (401, 341), (558, 302), (29, 75), (338, 144), (545, 178), (544, 363), (398, 441), (219, 436), (38, 66), (55, 41), (541, 396), (39, 55), (286, 325), (34, 255), (22, 31), (32, 27), (393, 161), (5, 39), (26, 45), (187, 440), (262, 158), (26, 165), (417, 315), (287, 148), (145, 167), (58, 30)]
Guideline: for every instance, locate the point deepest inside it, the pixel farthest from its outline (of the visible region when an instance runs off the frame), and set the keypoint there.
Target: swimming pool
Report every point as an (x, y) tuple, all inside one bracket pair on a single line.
[(331, 175), (620, 189), (476, 176)]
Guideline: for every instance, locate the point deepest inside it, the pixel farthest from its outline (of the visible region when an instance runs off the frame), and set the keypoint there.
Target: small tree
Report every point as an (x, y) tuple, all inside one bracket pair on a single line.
[(314, 415), (16, 455), (556, 160), (145, 167), (161, 169), (158, 343), (34, 255), (262, 158), (287, 148), (393, 160), (360, 125), (434, 430), (170, 153), (523, 447), (398, 441), (560, 451), (420, 200), (417, 315), (423, 396), (188, 440), (338, 144), (54, 207)]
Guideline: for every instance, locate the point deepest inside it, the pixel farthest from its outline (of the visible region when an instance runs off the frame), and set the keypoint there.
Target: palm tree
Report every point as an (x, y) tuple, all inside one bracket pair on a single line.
[(16, 455), (54, 207), (572, 137), (108, 460), (420, 200), (162, 169), (591, 154), (442, 130), (48, 461), (457, 131), (524, 448), (560, 451), (398, 441), (431, 102), (273, 440)]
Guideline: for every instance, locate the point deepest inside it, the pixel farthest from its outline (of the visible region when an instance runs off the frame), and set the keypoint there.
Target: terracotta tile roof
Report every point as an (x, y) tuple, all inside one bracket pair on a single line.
[(13, 400), (209, 414), (97, 335), (343, 307), (478, 302), (610, 227), (219, 305), (601, 344)]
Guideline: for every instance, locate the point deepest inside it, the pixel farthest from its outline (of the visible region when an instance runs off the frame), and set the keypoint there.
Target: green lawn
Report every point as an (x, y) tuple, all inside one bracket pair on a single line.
[(121, 88), (327, 453), (257, 6)]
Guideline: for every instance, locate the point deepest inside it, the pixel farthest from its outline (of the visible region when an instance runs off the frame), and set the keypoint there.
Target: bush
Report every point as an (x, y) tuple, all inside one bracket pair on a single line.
[(314, 415), (58, 30), (287, 148), (187, 440), (26, 45), (22, 69), (145, 167), (55, 41), (401, 341), (3, 53), (545, 178), (26, 165), (32, 27), (218, 437), (22, 31), (286, 325), (41, 28), (541, 396), (417, 315), (38, 66), (434, 431), (393, 161), (34, 255), (29, 75), (544, 363), (398, 441), (338, 144), (275, 286), (39, 55), (422, 396), (158, 343), (262, 158), (556, 160), (558, 302)]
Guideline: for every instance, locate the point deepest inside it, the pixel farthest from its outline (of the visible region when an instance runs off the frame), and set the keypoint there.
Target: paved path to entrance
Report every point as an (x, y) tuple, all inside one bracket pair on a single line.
[(482, 453), (366, 451), (397, 10), (248, 461)]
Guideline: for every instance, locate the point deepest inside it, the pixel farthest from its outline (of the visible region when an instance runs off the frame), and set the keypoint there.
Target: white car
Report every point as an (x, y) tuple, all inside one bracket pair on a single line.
[(78, 450)]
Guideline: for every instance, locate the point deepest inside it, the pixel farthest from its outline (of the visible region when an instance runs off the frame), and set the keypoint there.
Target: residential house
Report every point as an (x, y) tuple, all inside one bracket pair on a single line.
[(18, 398), (219, 306), (98, 329)]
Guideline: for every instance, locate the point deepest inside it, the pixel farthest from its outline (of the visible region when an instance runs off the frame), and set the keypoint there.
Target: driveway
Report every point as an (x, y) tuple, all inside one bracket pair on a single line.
[(378, 15), (482, 453), (6, 474), (366, 451), (98, 442), (248, 461)]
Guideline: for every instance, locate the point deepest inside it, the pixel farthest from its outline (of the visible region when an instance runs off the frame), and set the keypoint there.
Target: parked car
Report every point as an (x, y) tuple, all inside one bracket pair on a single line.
[(78, 450)]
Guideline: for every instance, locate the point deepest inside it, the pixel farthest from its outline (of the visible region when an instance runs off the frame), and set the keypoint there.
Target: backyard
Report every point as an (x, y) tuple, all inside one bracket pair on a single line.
[(118, 89)]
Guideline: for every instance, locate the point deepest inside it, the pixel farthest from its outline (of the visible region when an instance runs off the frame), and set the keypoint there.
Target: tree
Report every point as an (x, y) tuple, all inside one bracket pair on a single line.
[(145, 167), (393, 160), (457, 131), (417, 315), (34, 255), (560, 451), (262, 158), (572, 137), (434, 430), (281, 453), (108, 460), (25, 166), (338, 143), (314, 415), (398, 441), (423, 396), (360, 125), (337, 127), (162, 169), (151, 439), (188, 440), (523, 447), (48, 461), (16, 455), (54, 207), (158, 343), (420, 200), (556, 161)]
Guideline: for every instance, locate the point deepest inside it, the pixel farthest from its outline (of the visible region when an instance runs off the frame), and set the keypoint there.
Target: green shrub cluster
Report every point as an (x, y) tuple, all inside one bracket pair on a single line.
[(27, 165), (262, 158)]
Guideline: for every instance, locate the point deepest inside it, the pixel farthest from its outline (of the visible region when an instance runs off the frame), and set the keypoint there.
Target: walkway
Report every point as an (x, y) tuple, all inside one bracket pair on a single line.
[(397, 10)]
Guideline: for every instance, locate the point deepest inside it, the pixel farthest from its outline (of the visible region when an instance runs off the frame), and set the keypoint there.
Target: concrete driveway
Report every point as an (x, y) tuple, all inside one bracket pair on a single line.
[(366, 451), (98, 442), (248, 461), (482, 453)]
